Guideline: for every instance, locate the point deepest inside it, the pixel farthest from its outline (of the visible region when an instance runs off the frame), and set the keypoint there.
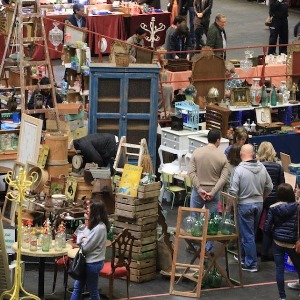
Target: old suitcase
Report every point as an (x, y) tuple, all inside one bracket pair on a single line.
[(264, 120)]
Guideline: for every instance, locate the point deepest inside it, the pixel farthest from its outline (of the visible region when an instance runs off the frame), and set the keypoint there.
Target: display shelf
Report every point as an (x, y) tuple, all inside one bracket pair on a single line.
[(189, 112)]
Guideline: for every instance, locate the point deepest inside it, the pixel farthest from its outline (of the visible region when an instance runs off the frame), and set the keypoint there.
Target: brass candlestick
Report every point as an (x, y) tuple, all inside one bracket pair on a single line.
[(19, 186)]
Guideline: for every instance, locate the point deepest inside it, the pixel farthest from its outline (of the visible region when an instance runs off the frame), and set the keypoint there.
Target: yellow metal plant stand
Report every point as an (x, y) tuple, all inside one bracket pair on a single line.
[(19, 186)]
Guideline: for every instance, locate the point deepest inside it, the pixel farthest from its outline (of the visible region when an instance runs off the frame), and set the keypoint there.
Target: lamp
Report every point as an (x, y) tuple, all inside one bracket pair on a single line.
[(56, 35), (213, 94)]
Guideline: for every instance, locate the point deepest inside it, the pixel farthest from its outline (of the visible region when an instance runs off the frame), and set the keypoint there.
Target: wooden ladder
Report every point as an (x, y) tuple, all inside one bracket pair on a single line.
[(25, 27), (127, 150), (201, 241)]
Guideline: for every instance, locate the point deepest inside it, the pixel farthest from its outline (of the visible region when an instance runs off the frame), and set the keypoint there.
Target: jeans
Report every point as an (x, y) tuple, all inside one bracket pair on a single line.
[(212, 206), (191, 13), (248, 218), (278, 253), (91, 280)]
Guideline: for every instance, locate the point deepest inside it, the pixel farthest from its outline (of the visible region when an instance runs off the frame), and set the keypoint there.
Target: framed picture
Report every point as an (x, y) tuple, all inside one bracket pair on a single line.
[(75, 34), (240, 96), (29, 139), (70, 190)]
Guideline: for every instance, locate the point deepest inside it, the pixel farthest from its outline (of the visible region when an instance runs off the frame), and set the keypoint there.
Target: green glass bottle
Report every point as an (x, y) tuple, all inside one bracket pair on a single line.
[(264, 96), (273, 96)]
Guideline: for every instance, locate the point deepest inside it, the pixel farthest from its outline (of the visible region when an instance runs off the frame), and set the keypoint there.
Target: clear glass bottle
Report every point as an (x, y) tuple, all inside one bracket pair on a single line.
[(188, 223), (46, 242), (25, 239), (33, 241), (58, 242), (273, 96), (264, 96), (197, 229)]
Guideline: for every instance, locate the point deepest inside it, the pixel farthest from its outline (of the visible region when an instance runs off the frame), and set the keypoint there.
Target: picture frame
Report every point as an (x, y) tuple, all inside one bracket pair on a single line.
[(240, 96), (9, 207), (71, 187), (76, 34), (29, 139)]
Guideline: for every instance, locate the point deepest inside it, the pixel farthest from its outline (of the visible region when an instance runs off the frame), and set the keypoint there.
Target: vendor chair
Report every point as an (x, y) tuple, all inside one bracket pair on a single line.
[(169, 186), (188, 190), (60, 263), (119, 266)]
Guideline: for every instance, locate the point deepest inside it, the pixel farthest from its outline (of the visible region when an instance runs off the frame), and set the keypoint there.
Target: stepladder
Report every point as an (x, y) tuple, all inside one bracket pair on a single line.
[(135, 153), (19, 76), (179, 268)]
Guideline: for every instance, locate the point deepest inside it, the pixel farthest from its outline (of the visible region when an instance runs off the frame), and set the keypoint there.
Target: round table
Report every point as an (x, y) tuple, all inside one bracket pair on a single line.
[(42, 256)]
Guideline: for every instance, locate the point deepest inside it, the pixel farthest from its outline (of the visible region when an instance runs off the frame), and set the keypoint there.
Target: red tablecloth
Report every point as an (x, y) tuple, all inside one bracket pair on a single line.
[(133, 22), (108, 25)]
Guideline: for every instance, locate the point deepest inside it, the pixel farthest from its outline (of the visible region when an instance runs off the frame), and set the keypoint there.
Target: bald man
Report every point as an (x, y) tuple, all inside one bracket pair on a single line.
[(251, 183)]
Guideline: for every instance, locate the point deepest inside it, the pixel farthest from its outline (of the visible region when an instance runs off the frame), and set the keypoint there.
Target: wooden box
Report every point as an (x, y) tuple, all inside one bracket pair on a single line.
[(179, 65), (134, 208), (264, 120), (147, 190), (143, 270)]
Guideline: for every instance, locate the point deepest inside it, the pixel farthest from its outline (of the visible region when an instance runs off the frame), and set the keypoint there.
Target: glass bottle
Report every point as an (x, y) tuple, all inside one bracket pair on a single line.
[(58, 242), (213, 227), (33, 241), (25, 239), (282, 87), (228, 226), (39, 239), (110, 234), (273, 96), (264, 96), (46, 242)]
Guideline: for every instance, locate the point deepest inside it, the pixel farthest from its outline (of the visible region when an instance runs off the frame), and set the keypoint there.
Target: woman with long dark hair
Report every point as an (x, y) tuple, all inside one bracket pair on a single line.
[(282, 224), (93, 243)]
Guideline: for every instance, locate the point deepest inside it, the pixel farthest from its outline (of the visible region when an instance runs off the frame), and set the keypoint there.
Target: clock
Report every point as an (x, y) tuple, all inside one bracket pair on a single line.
[(77, 162)]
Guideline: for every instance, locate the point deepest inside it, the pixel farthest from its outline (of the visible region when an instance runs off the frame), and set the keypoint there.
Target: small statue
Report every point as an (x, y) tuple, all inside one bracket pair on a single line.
[(294, 90)]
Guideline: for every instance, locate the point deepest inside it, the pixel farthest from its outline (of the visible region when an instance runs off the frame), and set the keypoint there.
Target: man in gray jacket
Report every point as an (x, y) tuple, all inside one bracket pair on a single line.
[(251, 183)]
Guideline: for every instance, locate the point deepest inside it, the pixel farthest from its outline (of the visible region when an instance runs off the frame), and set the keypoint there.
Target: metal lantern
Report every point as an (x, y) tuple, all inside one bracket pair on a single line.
[(56, 35)]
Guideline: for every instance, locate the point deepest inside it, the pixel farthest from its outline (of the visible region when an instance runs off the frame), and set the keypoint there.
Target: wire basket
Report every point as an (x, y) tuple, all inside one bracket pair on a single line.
[(122, 59)]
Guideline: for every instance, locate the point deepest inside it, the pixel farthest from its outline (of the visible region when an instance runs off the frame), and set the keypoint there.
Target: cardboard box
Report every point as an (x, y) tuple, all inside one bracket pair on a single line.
[(264, 120)]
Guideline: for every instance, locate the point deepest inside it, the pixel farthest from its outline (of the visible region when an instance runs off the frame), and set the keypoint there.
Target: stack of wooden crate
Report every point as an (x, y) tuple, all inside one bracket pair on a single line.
[(140, 214)]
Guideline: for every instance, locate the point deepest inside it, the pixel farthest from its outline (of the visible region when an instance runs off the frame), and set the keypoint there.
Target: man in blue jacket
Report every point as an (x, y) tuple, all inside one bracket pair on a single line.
[(77, 19), (251, 183)]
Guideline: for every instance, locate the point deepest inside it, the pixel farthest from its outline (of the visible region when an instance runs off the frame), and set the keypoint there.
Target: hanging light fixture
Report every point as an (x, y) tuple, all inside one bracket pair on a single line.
[(56, 35)]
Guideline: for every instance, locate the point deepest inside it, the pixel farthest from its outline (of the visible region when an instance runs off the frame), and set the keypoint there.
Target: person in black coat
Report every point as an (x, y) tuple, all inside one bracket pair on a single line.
[(267, 156), (279, 27), (99, 148), (180, 41), (42, 99), (77, 19), (282, 224)]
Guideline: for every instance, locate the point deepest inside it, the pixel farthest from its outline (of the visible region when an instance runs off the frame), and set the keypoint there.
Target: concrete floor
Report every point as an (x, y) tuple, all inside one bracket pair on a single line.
[(245, 27)]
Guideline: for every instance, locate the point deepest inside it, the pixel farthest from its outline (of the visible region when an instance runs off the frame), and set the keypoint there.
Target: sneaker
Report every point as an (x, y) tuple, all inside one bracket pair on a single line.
[(237, 259), (294, 285), (249, 269), (281, 298)]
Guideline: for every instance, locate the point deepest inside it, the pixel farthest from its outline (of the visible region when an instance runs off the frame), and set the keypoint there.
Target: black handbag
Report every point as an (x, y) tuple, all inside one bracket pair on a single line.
[(77, 268)]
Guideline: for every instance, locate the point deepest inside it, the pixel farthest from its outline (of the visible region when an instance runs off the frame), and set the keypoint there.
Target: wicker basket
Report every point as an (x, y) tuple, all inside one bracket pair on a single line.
[(122, 59)]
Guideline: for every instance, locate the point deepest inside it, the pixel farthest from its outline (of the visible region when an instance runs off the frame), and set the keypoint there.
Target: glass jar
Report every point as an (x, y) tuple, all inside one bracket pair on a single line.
[(188, 223), (227, 226), (197, 228), (46, 242)]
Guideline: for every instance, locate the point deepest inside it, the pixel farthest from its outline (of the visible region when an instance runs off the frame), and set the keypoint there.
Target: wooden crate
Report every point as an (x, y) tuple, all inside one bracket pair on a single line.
[(146, 190), (141, 264), (138, 231), (142, 278), (139, 221), (143, 248), (145, 241), (141, 272), (134, 208)]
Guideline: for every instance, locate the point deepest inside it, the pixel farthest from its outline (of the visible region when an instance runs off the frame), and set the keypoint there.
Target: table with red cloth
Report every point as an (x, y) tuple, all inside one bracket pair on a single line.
[(108, 25), (133, 22), (277, 73)]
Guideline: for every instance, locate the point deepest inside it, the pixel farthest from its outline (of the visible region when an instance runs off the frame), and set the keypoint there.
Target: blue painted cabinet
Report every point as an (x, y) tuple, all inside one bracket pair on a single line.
[(123, 101)]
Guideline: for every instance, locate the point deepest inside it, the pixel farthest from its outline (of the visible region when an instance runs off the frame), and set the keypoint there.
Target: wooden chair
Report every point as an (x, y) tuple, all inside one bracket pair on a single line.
[(188, 190), (285, 161), (169, 186), (119, 266)]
